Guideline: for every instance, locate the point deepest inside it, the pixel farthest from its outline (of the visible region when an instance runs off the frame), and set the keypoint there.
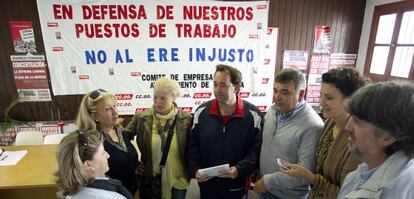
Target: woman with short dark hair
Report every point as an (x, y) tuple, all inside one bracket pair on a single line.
[(333, 158)]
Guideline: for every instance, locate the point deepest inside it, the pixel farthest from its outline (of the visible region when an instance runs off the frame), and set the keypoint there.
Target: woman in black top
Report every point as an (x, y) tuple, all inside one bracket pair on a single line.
[(98, 112)]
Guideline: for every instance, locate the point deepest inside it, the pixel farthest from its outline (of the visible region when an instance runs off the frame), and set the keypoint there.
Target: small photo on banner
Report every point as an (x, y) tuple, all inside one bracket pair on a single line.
[(23, 36), (322, 41)]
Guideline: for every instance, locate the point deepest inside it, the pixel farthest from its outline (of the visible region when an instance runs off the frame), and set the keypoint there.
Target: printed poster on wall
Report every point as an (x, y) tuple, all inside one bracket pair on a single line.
[(30, 77), (23, 36), (295, 59), (124, 47), (319, 64), (342, 60), (322, 41)]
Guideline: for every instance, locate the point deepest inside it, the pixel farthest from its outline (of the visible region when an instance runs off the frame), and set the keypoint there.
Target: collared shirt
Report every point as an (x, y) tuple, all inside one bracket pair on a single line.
[(364, 176), (283, 118)]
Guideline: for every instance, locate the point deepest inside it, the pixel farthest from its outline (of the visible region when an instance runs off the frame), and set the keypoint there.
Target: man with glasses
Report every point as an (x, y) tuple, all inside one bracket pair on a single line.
[(381, 134), (226, 130), (290, 134)]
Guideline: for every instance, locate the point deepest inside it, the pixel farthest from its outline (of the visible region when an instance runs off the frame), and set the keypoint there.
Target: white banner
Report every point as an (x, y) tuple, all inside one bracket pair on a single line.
[(125, 46)]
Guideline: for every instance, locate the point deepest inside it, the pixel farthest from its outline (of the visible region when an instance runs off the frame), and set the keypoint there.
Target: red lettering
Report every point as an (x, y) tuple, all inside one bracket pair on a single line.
[(134, 30), (132, 13), (78, 29), (249, 13), (141, 13), (57, 11), (215, 13), (116, 26), (240, 13), (164, 12), (230, 13), (205, 12), (107, 30), (62, 11), (86, 12), (113, 12), (98, 30), (205, 31)]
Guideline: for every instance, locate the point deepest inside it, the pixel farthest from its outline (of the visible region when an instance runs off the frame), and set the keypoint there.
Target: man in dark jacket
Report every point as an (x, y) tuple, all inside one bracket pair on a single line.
[(226, 130)]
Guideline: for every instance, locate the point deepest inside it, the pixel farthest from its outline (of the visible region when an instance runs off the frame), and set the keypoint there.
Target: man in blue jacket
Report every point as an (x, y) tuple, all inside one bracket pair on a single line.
[(226, 130)]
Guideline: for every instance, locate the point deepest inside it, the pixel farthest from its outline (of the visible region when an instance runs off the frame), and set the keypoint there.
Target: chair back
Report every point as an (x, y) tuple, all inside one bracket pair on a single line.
[(54, 138), (29, 138)]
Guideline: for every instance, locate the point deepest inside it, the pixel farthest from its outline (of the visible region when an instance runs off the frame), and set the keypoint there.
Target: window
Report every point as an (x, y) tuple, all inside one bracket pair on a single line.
[(391, 45)]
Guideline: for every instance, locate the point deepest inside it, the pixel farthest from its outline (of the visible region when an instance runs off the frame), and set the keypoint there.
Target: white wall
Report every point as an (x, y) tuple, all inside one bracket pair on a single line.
[(366, 29)]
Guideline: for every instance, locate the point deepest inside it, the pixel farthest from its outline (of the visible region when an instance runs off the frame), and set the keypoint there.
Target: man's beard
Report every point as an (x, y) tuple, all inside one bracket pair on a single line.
[(354, 150)]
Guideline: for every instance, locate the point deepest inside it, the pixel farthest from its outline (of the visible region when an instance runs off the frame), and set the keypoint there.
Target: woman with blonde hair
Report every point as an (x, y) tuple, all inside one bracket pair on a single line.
[(98, 112), (82, 164), (161, 137)]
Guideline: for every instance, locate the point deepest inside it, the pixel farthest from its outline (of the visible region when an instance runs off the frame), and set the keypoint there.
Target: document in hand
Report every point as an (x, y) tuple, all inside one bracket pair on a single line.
[(214, 171), (9, 158)]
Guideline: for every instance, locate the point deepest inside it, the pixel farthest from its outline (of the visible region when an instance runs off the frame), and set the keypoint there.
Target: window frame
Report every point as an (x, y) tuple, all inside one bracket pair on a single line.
[(398, 8)]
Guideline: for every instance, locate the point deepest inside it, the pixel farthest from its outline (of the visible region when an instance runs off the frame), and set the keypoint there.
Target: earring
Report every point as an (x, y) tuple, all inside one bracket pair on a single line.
[(92, 168)]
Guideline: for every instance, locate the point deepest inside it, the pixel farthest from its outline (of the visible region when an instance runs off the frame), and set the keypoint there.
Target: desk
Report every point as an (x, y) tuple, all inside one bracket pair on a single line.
[(33, 176)]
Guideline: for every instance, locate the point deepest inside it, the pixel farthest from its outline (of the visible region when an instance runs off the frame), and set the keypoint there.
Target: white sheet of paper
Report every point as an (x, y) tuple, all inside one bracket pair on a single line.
[(9, 158), (214, 171)]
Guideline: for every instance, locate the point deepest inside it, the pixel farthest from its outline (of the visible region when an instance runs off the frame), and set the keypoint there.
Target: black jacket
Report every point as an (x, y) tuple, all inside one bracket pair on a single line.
[(212, 142)]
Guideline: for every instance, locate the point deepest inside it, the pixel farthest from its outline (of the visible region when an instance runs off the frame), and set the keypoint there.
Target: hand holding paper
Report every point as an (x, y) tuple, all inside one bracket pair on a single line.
[(229, 173), (213, 171)]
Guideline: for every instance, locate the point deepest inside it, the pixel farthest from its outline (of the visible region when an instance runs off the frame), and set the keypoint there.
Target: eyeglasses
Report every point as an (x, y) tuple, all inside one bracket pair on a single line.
[(96, 93), (93, 96)]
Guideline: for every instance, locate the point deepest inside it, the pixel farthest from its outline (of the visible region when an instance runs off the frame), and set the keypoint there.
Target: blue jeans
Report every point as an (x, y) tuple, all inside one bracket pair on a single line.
[(268, 195), (178, 193)]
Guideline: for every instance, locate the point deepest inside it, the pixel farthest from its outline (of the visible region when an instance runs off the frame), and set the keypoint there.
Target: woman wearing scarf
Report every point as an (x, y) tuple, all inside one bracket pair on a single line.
[(168, 180)]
